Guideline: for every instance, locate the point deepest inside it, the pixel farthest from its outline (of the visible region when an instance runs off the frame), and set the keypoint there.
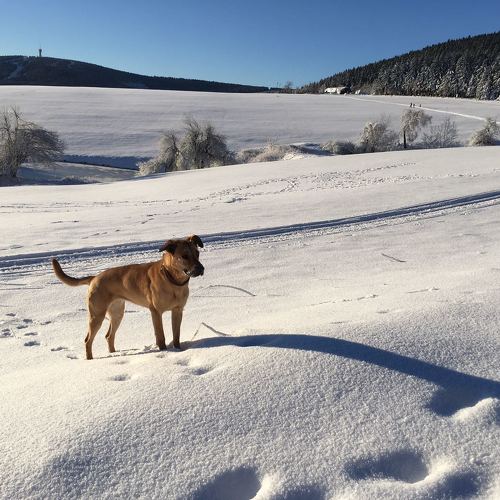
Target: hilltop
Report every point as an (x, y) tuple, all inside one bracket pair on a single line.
[(24, 70), (467, 67)]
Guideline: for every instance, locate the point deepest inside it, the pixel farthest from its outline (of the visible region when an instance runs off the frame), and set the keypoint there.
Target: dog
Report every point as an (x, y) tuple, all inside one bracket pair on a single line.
[(160, 286)]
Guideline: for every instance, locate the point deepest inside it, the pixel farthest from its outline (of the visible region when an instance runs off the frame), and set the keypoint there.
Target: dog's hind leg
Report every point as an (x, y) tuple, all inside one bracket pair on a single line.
[(97, 312), (116, 310), (95, 322)]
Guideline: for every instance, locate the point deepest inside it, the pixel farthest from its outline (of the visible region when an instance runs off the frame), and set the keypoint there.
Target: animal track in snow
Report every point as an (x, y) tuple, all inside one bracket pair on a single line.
[(120, 378), (458, 485), (242, 483), (32, 343), (6, 332), (302, 493), (431, 289), (31, 334), (194, 369), (120, 362), (402, 465), (59, 348)]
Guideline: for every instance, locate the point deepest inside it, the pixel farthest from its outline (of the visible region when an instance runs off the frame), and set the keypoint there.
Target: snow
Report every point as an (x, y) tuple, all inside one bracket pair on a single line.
[(343, 342), (122, 126)]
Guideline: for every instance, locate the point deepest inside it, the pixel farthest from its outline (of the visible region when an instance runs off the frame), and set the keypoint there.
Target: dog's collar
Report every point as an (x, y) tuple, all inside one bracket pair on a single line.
[(171, 278)]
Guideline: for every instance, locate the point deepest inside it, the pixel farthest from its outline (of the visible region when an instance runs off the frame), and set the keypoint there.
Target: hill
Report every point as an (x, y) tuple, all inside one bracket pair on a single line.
[(23, 70), (467, 67), (343, 342)]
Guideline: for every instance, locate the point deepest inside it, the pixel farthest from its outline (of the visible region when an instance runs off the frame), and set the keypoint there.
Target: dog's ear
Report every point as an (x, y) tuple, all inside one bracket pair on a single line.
[(169, 246), (194, 238)]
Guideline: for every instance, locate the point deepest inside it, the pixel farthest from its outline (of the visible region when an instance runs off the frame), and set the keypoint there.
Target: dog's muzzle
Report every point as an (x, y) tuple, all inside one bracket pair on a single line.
[(199, 270)]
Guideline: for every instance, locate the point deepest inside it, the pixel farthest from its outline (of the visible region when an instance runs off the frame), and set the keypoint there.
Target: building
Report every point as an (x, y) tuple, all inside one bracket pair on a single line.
[(336, 90)]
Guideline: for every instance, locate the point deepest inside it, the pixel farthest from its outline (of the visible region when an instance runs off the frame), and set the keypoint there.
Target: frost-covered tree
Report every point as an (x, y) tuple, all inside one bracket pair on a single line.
[(22, 141), (412, 121), (200, 147), (487, 135), (166, 159), (377, 136), (443, 135)]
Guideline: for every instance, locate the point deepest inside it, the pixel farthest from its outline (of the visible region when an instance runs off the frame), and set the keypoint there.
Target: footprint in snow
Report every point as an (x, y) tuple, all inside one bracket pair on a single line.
[(59, 348), (31, 334), (194, 369), (11, 314), (242, 483), (32, 343), (21, 327), (303, 492), (406, 466), (120, 362), (6, 333), (120, 378), (457, 485)]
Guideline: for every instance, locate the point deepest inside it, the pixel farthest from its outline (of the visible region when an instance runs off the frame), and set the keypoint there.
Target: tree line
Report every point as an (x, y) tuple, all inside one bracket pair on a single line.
[(467, 67)]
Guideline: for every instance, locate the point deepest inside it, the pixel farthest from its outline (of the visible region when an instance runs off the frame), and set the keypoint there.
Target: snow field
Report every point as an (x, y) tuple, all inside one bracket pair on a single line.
[(353, 354), (122, 126)]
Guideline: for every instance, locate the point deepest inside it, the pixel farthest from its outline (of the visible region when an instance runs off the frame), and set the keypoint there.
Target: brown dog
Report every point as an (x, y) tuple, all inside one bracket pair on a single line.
[(160, 286)]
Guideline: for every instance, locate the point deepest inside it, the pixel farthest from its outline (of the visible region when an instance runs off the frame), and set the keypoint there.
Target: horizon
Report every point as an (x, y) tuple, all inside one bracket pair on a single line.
[(265, 45)]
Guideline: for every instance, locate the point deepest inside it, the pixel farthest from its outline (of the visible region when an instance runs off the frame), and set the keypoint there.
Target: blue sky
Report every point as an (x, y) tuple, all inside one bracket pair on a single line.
[(254, 42)]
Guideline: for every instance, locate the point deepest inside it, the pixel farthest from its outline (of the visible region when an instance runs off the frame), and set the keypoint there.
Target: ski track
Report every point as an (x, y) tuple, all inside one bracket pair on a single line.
[(26, 263), (405, 105)]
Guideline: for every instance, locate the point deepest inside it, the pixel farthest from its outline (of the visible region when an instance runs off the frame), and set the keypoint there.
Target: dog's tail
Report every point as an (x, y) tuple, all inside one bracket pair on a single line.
[(68, 279)]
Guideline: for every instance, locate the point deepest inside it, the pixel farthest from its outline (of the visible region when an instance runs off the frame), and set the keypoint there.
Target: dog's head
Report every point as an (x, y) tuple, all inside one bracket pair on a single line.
[(183, 255)]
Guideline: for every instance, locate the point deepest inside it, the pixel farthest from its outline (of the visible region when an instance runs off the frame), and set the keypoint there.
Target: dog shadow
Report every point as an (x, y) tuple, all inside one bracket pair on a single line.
[(456, 390)]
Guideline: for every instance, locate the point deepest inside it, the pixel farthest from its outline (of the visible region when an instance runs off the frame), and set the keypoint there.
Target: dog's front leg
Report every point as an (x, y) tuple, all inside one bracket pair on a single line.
[(176, 327), (158, 326)]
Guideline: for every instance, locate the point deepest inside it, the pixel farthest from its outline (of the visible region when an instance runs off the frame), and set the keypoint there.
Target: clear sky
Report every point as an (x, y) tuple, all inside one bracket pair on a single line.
[(251, 41)]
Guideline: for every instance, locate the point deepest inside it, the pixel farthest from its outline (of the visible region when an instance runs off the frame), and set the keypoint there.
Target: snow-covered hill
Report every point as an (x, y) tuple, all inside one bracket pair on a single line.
[(343, 342), (121, 126)]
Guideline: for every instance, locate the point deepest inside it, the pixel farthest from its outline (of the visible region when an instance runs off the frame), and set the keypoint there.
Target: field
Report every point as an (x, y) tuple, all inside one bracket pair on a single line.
[(343, 343), (120, 127)]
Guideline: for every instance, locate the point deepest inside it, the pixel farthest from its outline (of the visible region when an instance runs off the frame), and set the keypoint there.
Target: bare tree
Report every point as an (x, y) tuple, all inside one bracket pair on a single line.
[(412, 121), (22, 141), (377, 136), (487, 135), (443, 135)]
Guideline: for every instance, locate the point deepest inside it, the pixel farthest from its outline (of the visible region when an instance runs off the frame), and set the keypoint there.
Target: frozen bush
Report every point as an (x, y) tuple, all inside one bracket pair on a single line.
[(22, 141), (443, 135), (202, 147), (487, 135), (377, 137), (272, 152), (340, 147)]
